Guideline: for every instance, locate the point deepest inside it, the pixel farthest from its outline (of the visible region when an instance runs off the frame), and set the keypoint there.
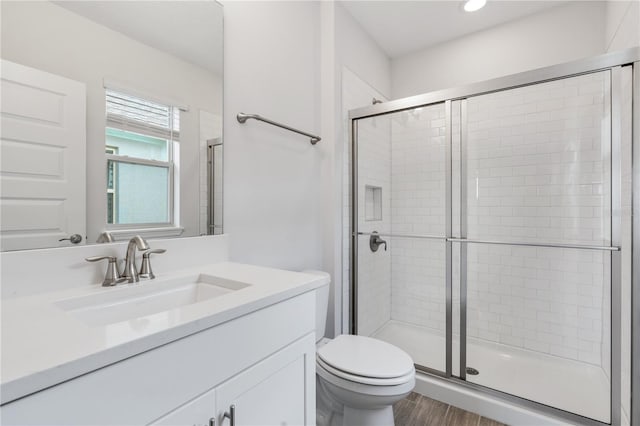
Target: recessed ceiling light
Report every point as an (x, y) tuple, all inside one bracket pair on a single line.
[(473, 5)]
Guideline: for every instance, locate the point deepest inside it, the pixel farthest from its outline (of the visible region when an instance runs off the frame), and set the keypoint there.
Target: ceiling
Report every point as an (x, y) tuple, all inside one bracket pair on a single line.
[(190, 30), (402, 27)]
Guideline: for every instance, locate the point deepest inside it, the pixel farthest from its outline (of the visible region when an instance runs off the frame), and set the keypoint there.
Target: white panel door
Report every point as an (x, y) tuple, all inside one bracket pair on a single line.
[(42, 158)]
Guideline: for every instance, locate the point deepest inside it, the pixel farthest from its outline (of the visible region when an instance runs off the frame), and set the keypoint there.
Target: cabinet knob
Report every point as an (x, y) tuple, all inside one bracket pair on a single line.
[(231, 415)]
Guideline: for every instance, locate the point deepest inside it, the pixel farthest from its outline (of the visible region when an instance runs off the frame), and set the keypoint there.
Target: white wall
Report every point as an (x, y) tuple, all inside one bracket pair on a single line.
[(560, 34), (48, 37), (622, 24), (357, 51), (282, 195), (273, 178)]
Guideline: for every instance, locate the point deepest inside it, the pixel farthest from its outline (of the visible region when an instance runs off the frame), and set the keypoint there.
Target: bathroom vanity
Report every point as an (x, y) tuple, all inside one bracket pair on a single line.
[(196, 346)]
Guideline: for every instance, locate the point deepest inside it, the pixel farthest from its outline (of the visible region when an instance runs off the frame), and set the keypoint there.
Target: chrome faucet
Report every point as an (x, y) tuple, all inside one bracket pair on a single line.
[(130, 269)]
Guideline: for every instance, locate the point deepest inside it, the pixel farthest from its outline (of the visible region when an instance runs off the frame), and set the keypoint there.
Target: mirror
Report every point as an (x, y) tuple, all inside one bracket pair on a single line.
[(111, 121)]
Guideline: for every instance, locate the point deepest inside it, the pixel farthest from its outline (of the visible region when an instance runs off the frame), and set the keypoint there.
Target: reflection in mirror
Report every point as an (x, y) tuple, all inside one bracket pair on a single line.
[(108, 113), (214, 179)]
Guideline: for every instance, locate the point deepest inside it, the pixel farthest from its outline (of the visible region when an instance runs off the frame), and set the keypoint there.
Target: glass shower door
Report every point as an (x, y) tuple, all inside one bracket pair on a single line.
[(401, 187), (536, 216)]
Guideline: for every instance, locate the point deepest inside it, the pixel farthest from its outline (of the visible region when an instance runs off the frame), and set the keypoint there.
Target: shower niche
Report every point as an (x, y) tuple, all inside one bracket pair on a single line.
[(372, 203)]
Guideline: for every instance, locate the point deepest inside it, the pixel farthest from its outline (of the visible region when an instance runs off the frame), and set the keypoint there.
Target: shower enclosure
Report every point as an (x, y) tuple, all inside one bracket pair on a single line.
[(505, 208)]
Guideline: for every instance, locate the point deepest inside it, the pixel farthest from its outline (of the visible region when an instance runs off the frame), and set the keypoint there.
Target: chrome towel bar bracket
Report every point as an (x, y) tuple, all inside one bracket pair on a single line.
[(242, 118)]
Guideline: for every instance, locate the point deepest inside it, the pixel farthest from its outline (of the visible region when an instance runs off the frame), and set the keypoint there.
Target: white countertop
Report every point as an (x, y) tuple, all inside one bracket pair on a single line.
[(42, 345)]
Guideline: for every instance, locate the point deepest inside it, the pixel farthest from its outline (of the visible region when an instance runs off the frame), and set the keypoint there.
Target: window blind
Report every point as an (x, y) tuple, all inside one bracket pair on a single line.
[(134, 114)]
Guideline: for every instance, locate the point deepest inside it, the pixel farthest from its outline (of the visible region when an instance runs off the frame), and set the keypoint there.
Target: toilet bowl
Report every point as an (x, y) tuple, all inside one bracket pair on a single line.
[(358, 378)]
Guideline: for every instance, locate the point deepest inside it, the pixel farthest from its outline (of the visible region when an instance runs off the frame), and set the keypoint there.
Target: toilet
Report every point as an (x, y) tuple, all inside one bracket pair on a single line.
[(358, 378)]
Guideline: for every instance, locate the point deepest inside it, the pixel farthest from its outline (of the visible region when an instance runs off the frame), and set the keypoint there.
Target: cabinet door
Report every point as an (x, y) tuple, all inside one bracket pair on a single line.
[(279, 390), (196, 412)]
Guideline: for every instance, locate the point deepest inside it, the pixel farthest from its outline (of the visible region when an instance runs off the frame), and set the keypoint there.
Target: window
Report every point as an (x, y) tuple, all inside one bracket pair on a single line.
[(141, 144)]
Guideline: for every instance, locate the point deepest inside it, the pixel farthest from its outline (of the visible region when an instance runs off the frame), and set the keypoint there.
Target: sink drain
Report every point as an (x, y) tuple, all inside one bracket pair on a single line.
[(472, 371)]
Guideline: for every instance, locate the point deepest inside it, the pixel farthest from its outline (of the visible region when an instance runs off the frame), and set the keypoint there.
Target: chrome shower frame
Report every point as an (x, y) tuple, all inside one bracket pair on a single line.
[(613, 62)]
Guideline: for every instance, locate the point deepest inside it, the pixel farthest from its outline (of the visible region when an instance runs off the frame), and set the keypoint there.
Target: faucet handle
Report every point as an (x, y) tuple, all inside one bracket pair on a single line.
[(145, 269), (112, 276), (98, 258), (154, 251)]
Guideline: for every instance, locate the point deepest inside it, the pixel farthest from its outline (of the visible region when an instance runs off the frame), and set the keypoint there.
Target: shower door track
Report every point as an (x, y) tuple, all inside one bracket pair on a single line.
[(511, 399), (609, 62)]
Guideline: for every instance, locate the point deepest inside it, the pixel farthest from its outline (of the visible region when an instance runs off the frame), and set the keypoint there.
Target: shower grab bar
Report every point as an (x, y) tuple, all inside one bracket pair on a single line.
[(242, 118), (504, 243), (520, 243)]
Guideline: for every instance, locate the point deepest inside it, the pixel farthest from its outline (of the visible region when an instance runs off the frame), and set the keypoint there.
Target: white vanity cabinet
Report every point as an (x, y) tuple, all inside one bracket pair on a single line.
[(198, 412), (272, 392), (262, 362)]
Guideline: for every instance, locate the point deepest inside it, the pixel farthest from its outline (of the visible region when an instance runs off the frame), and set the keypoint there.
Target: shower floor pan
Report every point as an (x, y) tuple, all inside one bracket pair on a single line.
[(573, 386)]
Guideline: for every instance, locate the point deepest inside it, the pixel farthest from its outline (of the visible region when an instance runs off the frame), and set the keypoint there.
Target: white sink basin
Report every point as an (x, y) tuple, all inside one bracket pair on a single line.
[(129, 301)]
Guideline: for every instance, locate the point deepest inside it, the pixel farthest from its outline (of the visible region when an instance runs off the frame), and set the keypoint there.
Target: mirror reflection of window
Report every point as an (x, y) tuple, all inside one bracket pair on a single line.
[(141, 142)]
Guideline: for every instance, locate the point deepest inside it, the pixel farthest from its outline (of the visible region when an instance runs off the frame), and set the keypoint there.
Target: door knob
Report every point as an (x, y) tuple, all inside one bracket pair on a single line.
[(74, 238)]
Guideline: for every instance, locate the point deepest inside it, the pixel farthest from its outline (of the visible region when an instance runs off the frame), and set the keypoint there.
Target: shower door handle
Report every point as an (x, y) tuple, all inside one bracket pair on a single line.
[(375, 242)]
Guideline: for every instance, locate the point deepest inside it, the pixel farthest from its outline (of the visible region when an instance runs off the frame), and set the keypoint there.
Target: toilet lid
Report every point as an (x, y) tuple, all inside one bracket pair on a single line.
[(366, 357)]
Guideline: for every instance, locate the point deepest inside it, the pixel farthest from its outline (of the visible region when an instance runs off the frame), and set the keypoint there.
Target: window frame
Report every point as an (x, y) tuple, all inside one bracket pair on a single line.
[(170, 166), (150, 229)]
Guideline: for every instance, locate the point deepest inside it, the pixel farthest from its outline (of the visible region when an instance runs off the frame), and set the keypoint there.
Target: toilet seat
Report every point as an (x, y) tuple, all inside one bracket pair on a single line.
[(365, 360), (358, 390), (362, 379)]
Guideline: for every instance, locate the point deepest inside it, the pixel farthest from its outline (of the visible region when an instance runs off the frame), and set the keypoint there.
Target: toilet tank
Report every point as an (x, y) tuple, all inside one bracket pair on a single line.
[(322, 304)]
